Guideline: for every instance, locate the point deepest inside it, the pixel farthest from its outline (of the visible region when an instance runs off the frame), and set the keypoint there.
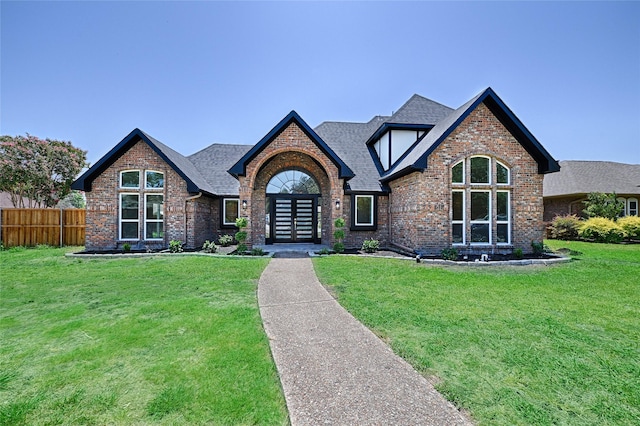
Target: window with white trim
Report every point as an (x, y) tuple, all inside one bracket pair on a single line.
[(503, 217), (154, 180), (632, 207), (480, 209), (364, 210), (480, 218), (130, 179), (502, 174), (457, 219), (230, 211), (154, 217), (129, 216), (479, 170)]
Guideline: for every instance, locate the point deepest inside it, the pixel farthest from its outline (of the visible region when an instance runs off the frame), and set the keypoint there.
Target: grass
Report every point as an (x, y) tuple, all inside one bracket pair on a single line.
[(164, 340), (512, 345)]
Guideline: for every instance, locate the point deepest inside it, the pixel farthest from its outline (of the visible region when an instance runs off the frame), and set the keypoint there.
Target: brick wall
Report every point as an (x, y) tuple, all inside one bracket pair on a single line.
[(420, 202), (563, 206), (103, 204), (292, 148)]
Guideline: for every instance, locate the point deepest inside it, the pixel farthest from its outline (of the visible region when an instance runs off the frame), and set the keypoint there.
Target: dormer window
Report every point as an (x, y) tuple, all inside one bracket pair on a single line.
[(393, 144)]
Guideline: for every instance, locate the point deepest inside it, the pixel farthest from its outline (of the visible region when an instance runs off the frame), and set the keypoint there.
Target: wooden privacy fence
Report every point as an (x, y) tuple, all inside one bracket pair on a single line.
[(31, 227)]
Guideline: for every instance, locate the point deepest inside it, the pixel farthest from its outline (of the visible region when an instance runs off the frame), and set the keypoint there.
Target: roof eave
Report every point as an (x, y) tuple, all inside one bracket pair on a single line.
[(84, 182), (240, 167)]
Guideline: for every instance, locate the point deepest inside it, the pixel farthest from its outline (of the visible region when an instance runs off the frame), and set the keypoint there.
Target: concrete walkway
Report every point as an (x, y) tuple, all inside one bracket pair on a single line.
[(333, 369)]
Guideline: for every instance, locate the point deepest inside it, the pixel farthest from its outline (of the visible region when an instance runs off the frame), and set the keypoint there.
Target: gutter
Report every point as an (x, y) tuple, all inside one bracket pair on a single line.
[(186, 200)]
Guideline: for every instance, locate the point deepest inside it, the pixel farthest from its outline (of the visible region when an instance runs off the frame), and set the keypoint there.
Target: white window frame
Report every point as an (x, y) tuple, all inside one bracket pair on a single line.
[(462, 222), (147, 220), (481, 222), (464, 173), (146, 180), (121, 220), (628, 207), (504, 222), (508, 173), (355, 218), (224, 210), (489, 169), (128, 187)]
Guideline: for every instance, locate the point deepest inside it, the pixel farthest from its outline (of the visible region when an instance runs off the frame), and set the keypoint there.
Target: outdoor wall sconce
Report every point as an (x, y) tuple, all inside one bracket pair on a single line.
[(244, 204), (337, 204)]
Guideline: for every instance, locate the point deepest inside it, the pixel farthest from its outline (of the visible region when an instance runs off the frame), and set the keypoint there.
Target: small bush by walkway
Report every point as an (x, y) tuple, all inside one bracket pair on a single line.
[(534, 345)]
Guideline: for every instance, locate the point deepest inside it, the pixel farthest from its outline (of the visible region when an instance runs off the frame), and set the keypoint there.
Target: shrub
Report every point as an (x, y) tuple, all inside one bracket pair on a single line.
[(225, 240), (324, 250), (599, 204), (241, 249), (565, 227), (209, 247), (257, 251), (601, 230), (241, 236), (338, 234), (539, 248), (630, 225), (241, 222), (126, 247), (370, 246), (450, 253), (518, 254), (175, 246)]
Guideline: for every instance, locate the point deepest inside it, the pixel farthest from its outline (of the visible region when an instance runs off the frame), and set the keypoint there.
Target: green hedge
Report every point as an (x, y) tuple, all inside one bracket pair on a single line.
[(630, 225), (565, 227), (601, 230)]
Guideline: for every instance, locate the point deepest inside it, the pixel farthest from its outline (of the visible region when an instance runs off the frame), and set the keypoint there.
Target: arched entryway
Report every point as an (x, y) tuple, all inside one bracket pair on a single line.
[(293, 207)]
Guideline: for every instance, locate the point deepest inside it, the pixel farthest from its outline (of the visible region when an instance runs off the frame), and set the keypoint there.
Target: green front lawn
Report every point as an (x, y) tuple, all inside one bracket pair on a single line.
[(163, 340), (512, 345)]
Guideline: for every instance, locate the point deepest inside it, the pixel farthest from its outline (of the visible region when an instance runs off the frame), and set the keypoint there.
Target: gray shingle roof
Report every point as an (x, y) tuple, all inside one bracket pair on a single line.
[(183, 163), (213, 163), (420, 110), (583, 177), (347, 140), (432, 137)]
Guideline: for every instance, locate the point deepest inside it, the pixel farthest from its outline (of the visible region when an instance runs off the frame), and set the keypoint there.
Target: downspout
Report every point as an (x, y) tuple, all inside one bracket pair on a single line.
[(186, 200)]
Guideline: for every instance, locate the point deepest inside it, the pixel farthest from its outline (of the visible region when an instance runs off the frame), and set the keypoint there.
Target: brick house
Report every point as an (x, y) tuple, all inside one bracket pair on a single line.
[(564, 193), (425, 178)]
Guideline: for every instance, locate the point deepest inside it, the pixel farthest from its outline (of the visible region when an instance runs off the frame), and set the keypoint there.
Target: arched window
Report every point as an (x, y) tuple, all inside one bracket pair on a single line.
[(292, 182)]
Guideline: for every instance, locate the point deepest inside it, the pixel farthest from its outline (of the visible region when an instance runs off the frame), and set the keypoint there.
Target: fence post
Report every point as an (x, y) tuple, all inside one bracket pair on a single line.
[(61, 226)]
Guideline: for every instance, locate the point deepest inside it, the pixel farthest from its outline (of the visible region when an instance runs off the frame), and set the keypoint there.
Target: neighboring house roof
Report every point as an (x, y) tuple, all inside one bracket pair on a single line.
[(583, 177), (239, 169), (192, 176)]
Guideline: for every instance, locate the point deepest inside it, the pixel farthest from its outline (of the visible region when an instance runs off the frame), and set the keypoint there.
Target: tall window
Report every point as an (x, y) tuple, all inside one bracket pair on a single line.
[(480, 202), (129, 216), (230, 211), (364, 210), (154, 217), (149, 191), (632, 207)]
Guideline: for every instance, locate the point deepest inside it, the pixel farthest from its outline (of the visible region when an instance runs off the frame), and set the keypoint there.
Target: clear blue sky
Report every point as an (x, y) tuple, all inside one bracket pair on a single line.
[(194, 73)]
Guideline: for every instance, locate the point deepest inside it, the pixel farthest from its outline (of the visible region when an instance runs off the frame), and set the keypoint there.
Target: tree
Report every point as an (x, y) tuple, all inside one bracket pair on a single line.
[(599, 204), (73, 200), (40, 171)]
